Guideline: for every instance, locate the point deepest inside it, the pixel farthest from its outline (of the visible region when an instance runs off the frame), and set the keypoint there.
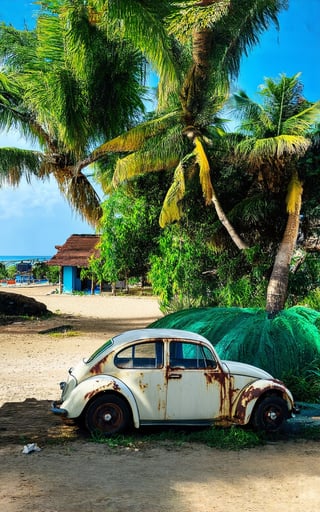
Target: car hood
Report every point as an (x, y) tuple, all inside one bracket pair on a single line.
[(236, 368)]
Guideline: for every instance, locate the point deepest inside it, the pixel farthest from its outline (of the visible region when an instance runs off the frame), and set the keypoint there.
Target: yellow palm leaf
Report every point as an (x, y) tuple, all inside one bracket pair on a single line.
[(204, 170), (171, 208), (294, 193)]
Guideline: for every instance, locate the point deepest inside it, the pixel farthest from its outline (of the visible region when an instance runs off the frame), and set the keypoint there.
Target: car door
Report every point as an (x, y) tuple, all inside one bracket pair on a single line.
[(197, 387), (141, 368)]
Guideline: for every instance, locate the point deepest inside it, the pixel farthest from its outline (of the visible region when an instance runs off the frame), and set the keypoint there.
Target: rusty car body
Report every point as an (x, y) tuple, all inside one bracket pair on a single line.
[(171, 377)]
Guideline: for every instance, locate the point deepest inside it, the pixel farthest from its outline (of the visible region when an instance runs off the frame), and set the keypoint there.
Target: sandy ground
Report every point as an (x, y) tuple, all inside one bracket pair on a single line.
[(80, 476)]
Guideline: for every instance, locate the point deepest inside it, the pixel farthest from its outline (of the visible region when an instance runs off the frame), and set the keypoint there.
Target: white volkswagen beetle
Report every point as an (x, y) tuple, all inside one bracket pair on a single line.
[(169, 377)]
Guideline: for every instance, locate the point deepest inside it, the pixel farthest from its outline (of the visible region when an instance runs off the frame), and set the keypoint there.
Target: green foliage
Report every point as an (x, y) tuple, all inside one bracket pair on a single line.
[(305, 385), (311, 300), (52, 274), (40, 270), (304, 280), (129, 230), (11, 271), (94, 272), (3, 271), (176, 272)]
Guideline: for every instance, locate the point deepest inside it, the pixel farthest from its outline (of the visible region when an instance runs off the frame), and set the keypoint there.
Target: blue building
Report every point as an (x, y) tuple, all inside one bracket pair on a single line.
[(72, 257)]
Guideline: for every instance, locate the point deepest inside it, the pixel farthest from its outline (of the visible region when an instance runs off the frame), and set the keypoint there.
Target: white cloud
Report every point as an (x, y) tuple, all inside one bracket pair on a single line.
[(27, 199)]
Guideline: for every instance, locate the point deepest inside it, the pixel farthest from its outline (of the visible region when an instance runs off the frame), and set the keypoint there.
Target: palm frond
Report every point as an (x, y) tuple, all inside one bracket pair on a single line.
[(190, 17), (139, 163), (204, 170), (49, 34), (142, 24), (258, 151), (136, 137), (251, 114), (302, 122), (80, 194), (239, 30), (18, 163), (172, 209)]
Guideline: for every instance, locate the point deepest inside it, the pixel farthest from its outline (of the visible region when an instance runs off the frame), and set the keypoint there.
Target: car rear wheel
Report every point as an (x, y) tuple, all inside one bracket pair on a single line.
[(270, 414), (107, 414)]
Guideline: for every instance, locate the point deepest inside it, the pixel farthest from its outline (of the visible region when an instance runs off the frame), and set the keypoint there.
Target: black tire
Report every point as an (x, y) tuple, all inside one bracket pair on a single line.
[(108, 415), (270, 414)]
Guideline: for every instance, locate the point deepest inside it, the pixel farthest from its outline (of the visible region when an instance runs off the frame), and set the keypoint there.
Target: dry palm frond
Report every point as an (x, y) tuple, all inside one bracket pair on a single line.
[(171, 208), (135, 138), (204, 170), (140, 163)]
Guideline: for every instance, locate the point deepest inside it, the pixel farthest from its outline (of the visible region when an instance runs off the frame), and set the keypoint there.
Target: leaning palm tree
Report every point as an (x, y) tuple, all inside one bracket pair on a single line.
[(276, 134), (209, 39), (65, 109)]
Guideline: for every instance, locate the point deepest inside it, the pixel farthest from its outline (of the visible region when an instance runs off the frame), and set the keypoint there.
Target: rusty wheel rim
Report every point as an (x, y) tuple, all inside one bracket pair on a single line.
[(108, 418)]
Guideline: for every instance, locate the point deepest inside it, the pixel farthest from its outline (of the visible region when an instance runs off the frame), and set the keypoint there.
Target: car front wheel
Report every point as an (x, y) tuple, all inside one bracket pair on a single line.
[(270, 414), (107, 414)]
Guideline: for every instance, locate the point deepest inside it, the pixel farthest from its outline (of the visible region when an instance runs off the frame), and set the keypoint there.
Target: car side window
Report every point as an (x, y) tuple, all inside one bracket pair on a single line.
[(141, 355), (191, 356)]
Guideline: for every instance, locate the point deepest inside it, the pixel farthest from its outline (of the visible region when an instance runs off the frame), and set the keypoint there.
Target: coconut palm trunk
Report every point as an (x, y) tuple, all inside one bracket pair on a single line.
[(237, 240), (278, 282)]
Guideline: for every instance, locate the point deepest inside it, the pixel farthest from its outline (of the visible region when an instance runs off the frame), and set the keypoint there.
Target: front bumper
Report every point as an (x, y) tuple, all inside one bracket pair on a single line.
[(56, 409)]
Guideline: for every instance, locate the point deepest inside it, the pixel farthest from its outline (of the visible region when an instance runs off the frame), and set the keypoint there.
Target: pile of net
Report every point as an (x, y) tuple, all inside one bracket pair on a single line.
[(287, 343)]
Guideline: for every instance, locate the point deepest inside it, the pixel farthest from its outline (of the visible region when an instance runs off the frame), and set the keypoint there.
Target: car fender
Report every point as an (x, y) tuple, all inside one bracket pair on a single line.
[(81, 395), (243, 407)]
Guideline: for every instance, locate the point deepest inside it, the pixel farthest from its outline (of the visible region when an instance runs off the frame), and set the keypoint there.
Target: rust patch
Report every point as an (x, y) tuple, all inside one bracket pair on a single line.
[(112, 384), (217, 375), (115, 385), (98, 368), (251, 393), (142, 385), (161, 405)]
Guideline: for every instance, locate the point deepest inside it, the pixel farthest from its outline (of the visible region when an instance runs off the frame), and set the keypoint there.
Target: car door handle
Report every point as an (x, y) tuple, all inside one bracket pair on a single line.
[(175, 376)]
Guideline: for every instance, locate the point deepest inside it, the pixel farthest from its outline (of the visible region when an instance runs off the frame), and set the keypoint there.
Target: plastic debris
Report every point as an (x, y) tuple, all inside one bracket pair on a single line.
[(31, 447)]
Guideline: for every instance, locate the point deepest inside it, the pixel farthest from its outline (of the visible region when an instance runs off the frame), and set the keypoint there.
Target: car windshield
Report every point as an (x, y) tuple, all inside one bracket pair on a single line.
[(99, 351)]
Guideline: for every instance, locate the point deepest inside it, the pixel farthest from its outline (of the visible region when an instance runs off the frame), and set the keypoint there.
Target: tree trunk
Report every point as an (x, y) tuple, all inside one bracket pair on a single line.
[(227, 224), (278, 283)]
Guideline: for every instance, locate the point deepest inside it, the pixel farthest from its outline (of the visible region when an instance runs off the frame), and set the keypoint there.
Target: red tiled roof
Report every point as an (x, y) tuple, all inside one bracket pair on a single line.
[(76, 251)]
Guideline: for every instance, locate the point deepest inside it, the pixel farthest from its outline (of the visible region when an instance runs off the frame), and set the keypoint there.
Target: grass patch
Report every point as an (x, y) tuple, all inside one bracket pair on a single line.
[(65, 334), (233, 438)]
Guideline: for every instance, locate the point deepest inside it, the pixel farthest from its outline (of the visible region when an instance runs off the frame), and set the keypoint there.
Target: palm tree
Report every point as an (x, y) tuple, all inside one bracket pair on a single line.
[(276, 135), (211, 37), (63, 108)]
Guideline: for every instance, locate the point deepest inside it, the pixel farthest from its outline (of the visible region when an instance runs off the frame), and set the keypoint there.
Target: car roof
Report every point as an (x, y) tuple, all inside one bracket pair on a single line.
[(142, 334)]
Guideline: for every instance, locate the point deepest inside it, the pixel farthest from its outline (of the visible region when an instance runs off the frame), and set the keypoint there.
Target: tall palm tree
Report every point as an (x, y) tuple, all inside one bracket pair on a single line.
[(211, 37), (63, 108), (276, 134)]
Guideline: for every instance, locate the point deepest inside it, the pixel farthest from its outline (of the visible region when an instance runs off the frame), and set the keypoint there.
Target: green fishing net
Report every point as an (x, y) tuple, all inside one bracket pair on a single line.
[(286, 343)]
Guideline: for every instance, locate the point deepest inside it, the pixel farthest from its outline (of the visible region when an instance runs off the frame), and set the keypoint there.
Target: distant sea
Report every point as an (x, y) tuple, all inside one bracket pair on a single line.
[(8, 260)]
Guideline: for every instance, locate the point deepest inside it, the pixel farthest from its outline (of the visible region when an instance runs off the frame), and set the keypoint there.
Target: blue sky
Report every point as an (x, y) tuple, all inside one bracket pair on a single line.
[(35, 217)]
